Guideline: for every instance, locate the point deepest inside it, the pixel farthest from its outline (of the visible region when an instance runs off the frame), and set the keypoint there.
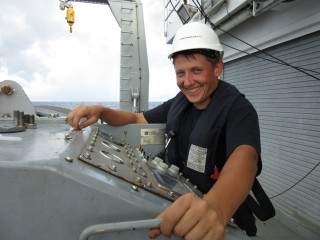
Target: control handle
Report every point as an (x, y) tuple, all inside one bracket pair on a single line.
[(118, 227)]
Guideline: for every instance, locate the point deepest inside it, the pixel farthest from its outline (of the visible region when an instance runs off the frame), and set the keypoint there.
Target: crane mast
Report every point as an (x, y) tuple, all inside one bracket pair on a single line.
[(134, 70)]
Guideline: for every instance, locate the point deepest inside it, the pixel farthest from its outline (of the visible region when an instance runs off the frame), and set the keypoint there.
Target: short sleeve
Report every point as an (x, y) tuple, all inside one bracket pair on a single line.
[(159, 113), (242, 128)]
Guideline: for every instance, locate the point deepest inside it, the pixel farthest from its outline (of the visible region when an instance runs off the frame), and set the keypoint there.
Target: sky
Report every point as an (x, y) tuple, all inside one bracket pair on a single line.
[(51, 64)]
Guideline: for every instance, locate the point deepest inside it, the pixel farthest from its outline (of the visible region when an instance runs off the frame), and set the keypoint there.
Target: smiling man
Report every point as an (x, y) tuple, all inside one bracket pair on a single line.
[(217, 143)]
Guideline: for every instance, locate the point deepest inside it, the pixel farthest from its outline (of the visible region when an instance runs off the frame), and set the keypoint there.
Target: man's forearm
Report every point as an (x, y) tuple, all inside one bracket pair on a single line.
[(235, 182), (120, 117)]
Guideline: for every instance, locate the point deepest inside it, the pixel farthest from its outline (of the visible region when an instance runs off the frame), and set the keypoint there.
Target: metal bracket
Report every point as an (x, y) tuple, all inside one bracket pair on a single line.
[(135, 96)]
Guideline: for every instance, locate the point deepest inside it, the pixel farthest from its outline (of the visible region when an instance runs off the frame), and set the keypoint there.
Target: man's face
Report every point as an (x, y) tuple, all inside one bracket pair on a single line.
[(197, 78)]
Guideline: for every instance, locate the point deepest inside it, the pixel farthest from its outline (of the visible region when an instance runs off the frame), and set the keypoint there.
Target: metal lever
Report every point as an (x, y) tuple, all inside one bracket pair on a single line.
[(170, 135), (120, 226)]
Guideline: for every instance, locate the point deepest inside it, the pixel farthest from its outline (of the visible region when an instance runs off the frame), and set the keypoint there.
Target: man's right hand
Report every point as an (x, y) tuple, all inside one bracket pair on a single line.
[(91, 113)]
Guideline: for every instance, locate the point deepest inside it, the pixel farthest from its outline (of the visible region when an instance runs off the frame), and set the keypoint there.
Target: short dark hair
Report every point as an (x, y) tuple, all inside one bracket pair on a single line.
[(212, 56)]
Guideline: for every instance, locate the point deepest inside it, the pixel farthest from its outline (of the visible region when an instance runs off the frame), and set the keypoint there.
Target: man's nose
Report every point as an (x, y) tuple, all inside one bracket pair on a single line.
[(188, 79)]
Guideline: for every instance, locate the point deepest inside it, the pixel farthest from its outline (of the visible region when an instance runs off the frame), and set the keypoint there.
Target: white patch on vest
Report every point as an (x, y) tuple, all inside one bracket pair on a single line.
[(197, 158)]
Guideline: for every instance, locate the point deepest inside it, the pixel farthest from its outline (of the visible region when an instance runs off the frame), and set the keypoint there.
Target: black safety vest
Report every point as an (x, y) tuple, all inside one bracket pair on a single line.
[(205, 134)]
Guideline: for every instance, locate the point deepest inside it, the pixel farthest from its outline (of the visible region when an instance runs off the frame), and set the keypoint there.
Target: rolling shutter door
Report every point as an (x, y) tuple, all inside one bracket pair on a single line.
[(288, 105)]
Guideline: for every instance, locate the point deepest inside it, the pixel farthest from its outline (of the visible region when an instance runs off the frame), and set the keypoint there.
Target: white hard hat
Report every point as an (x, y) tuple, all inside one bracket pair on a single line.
[(196, 35)]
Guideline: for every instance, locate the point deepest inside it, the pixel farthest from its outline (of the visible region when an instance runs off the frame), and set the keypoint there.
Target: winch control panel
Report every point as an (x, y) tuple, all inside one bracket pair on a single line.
[(134, 165)]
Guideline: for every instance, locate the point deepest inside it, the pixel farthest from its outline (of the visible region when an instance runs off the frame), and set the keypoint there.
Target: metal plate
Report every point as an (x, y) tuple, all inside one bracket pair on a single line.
[(152, 136)]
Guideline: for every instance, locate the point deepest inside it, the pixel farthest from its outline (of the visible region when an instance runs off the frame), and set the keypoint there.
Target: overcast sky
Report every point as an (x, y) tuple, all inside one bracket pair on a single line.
[(38, 51)]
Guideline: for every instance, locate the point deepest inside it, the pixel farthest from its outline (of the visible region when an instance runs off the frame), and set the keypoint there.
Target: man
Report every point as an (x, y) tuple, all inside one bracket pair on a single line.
[(217, 143)]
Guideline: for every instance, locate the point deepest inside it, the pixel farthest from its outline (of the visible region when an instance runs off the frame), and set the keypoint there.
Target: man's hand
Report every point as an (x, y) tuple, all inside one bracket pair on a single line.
[(191, 217), (91, 113)]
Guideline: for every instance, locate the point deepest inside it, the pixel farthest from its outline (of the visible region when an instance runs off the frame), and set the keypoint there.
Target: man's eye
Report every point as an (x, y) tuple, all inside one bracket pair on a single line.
[(179, 74)]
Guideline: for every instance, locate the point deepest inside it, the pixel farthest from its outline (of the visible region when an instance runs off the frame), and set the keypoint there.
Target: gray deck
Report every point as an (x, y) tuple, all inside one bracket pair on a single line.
[(275, 230), (34, 170)]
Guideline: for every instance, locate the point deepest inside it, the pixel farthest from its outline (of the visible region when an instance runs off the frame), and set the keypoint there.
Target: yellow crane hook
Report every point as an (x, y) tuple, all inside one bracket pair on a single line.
[(70, 17)]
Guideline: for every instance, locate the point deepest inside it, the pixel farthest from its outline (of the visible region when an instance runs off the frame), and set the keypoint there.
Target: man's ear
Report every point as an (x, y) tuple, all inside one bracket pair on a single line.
[(218, 69)]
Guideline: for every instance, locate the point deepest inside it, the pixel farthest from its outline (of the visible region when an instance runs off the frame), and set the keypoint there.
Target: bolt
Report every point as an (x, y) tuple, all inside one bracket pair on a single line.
[(69, 159)]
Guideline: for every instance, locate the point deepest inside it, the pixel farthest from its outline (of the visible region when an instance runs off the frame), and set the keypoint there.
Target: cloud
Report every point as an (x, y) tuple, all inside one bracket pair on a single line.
[(37, 51), (162, 76)]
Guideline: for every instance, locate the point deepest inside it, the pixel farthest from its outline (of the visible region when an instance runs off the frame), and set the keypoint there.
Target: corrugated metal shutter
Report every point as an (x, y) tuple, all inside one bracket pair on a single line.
[(288, 105)]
